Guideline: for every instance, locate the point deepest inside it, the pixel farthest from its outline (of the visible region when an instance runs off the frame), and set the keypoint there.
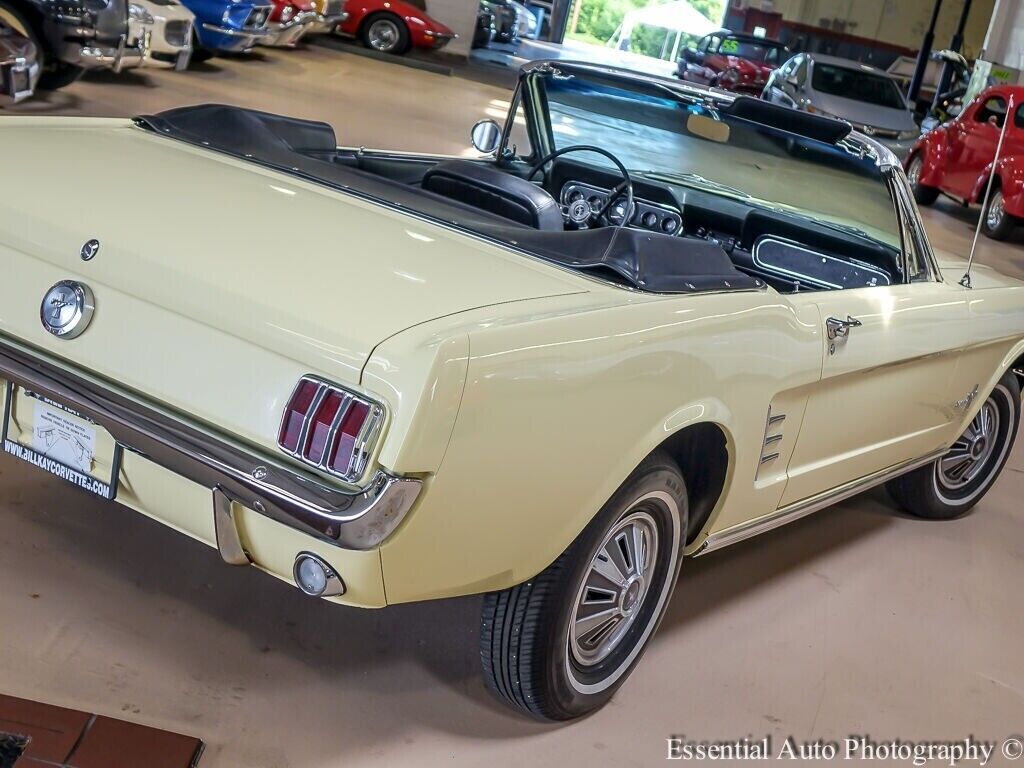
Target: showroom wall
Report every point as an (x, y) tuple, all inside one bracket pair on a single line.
[(1005, 41), (899, 22), (460, 15)]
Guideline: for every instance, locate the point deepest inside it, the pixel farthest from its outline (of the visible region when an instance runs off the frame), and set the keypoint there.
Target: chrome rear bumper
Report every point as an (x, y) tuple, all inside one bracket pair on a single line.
[(351, 520)]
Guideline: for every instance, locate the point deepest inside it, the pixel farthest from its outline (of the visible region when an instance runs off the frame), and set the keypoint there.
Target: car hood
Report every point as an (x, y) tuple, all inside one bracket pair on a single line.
[(231, 248), (863, 113), (953, 268)]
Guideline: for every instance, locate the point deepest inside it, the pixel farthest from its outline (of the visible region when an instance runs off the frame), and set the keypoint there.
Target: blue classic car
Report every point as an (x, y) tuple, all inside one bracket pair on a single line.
[(227, 26)]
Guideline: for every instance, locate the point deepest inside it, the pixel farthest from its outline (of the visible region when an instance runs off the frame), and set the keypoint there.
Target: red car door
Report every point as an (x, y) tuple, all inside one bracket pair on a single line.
[(973, 143)]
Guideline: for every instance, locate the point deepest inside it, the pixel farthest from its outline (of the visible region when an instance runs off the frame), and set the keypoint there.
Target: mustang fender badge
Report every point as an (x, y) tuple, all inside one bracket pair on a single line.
[(67, 309), (90, 249), (965, 402)]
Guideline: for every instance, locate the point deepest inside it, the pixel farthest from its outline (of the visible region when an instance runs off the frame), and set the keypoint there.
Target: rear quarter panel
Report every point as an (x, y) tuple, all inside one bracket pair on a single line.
[(560, 407)]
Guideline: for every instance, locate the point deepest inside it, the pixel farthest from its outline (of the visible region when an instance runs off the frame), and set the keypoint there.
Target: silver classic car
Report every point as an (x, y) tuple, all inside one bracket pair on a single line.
[(863, 95)]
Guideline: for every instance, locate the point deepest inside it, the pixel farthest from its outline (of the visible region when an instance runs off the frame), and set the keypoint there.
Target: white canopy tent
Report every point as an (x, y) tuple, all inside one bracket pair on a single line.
[(678, 16)]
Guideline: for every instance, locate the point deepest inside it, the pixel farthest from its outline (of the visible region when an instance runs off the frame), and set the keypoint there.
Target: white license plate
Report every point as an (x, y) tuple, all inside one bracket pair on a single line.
[(60, 441)]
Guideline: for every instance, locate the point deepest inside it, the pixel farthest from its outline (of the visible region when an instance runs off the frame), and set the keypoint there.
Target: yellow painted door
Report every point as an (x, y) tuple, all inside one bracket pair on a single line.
[(890, 378)]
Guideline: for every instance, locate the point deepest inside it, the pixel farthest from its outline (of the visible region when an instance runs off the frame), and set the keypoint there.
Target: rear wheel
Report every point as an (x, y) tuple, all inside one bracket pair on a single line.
[(55, 74), (952, 484), (560, 645), (996, 222), (924, 195), (385, 33)]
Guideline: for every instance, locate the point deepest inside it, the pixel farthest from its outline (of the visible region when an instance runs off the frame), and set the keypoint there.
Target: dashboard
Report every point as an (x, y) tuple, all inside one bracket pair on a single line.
[(789, 252), (581, 200)]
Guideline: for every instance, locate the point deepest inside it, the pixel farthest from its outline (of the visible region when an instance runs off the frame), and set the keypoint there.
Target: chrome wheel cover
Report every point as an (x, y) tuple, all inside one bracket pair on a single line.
[(972, 450), (914, 171), (614, 588), (996, 210), (383, 35)]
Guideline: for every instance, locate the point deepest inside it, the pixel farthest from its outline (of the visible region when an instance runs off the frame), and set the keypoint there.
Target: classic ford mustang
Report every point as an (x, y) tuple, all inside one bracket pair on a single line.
[(653, 321)]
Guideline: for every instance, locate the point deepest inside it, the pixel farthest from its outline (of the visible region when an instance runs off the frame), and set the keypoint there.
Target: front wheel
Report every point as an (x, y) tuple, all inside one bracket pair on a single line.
[(560, 645), (996, 222), (385, 33), (952, 484)]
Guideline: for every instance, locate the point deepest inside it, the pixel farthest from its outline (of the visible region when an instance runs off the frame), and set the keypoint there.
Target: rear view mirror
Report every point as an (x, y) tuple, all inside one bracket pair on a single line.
[(708, 128), (485, 136)]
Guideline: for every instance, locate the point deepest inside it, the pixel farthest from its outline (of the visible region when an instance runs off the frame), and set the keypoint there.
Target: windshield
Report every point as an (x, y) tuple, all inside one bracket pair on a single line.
[(646, 127), (857, 85), (764, 53)]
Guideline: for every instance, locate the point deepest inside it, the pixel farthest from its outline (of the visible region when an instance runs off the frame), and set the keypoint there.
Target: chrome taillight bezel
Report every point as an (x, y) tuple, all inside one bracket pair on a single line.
[(365, 440)]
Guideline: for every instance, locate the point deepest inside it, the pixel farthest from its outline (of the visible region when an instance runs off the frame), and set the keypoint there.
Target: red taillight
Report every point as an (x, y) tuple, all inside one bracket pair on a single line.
[(295, 414), (330, 428), (320, 428), (342, 452)]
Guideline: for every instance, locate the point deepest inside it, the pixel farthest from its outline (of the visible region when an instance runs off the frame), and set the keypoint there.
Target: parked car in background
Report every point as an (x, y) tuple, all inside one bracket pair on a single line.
[(862, 95), (72, 36), (330, 13), (506, 21), (393, 26), (957, 159), (486, 26), (289, 21), (165, 27), (732, 61), (19, 66), (226, 26)]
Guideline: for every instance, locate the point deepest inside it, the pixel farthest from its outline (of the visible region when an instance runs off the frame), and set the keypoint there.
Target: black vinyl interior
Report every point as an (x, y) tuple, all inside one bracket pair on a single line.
[(714, 249)]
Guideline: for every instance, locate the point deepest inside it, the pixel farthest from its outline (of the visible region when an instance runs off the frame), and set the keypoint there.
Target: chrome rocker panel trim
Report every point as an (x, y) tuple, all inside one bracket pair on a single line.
[(358, 520), (799, 509)]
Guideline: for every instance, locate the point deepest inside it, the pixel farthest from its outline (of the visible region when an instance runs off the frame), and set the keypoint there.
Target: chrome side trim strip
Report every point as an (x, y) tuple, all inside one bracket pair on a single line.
[(351, 519), (805, 507)]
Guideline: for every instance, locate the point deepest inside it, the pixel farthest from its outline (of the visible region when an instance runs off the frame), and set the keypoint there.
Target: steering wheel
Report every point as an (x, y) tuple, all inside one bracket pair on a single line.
[(581, 213)]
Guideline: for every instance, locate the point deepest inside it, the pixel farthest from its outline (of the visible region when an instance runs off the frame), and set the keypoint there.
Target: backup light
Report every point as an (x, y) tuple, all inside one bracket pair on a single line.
[(330, 427), (315, 577)]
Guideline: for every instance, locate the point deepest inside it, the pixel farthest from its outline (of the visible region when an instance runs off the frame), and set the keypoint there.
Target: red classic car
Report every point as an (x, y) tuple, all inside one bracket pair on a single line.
[(957, 159), (732, 60), (289, 21), (393, 26)]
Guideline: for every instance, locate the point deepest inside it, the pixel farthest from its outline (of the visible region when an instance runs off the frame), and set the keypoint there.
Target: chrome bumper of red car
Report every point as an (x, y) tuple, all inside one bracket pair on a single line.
[(358, 520)]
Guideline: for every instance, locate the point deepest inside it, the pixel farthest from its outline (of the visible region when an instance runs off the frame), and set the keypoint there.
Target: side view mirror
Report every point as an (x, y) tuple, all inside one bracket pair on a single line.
[(792, 80), (485, 136)]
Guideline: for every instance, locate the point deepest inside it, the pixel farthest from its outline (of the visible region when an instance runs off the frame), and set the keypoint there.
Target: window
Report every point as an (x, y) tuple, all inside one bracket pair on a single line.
[(713, 42), (866, 87), (1018, 117), (993, 110), (754, 50)]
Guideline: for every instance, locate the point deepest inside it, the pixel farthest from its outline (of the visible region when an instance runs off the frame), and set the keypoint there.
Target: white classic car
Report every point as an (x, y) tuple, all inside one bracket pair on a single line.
[(165, 29), (657, 321)]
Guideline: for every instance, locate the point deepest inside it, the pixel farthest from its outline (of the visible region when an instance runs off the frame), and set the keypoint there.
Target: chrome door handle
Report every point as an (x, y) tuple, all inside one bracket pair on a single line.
[(836, 327)]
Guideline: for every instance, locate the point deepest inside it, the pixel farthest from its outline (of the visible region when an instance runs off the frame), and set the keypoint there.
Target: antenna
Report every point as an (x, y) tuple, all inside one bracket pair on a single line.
[(965, 281)]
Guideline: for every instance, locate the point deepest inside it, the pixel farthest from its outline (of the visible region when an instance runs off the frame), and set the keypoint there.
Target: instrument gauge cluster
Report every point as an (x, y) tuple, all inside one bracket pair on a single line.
[(642, 215)]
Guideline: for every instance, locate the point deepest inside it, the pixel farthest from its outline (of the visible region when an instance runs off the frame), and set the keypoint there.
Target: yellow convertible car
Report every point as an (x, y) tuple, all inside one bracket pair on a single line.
[(651, 321)]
